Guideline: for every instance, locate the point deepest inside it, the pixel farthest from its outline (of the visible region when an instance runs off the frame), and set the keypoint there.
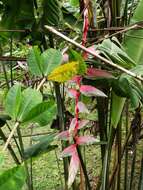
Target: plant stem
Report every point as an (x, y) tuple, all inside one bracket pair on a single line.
[(14, 137), (122, 154), (83, 168), (107, 157), (140, 186), (9, 148), (118, 135), (62, 127), (41, 83), (5, 75), (11, 135), (30, 187), (60, 107), (102, 112), (133, 169), (126, 150)]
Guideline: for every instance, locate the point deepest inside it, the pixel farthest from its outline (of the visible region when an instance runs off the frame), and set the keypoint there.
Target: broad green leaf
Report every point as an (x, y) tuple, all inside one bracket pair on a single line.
[(64, 72), (116, 110), (42, 147), (13, 179), (18, 14), (51, 59), (133, 44), (74, 2), (43, 113), (13, 101), (133, 41), (51, 17), (34, 61), (30, 98), (115, 52)]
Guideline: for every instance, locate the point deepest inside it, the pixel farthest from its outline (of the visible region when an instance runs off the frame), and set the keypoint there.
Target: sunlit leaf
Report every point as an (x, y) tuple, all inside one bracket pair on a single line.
[(73, 93), (85, 140), (82, 123), (13, 101), (88, 90), (72, 125), (30, 98), (93, 73), (64, 72), (69, 151), (82, 108), (73, 168), (51, 59), (64, 135), (43, 113), (34, 61)]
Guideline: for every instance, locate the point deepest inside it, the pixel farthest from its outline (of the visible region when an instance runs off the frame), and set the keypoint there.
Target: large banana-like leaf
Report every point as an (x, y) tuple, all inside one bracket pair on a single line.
[(17, 14), (51, 12), (133, 41), (133, 44)]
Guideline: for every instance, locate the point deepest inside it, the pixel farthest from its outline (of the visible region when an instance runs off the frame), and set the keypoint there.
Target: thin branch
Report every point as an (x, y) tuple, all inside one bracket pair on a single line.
[(51, 29), (120, 32), (41, 83), (15, 30), (11, 135), (11, 58)]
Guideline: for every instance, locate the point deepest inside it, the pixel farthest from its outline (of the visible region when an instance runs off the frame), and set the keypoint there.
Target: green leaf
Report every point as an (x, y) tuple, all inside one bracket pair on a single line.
[(43, 113), (30, 98), (51, 59), (133, 41), (74, 2), (17, 14), (51, 17), (114, 51), (1, 160), (42, 147), (13, 101), (34, 61), (116, 110), (3, 119), (64, 72), (75, 56), (133, 44), (13, 179)]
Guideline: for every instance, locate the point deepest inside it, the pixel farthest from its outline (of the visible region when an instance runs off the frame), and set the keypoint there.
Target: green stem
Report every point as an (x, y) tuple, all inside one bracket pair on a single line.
[(140, 187), (126, 150), (102, 112), (119, 141), (106, 164), (5, 75), (60, 107), (25, 163), (83, 168), (133, 169), (62, 127)]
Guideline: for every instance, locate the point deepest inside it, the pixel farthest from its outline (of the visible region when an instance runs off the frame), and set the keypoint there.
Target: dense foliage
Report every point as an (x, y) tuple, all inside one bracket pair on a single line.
[(74, 66)]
